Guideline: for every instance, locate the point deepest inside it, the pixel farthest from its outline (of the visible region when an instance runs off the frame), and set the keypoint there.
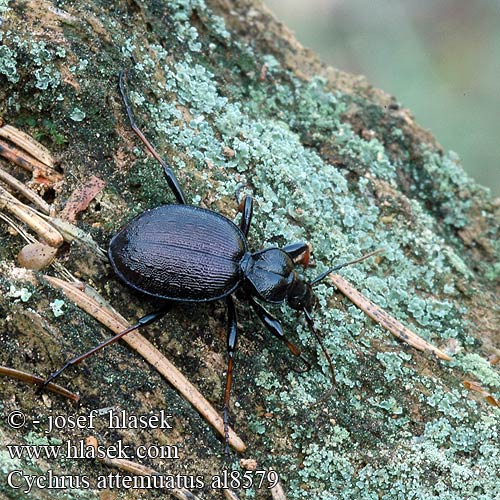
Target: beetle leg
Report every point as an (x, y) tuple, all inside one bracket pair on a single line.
[(145, 320), (274, 326), (232, 336), (169, 174), (298, 252), (245, 206)]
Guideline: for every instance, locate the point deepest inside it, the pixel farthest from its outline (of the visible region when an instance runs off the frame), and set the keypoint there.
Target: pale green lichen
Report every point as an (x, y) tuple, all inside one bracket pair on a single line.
[(46, 74), (480, 368), (393, 363), (8, 63), (20, 294), (46, 77), (57, 307), (77, 115), (80, 67)]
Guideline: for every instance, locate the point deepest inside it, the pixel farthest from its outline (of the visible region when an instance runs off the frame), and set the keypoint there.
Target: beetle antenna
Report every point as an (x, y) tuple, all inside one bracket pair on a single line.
[(310, 323), (340, 266)]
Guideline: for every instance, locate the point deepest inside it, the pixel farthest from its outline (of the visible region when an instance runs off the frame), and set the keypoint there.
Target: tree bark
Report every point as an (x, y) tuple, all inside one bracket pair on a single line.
[(231, 100)]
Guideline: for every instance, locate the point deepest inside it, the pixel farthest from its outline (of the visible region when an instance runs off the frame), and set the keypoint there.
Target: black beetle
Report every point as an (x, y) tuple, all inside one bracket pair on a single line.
[(189, 254)]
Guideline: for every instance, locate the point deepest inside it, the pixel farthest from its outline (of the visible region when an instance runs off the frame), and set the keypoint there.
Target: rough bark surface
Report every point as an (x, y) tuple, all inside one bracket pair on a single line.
[(231, 99)]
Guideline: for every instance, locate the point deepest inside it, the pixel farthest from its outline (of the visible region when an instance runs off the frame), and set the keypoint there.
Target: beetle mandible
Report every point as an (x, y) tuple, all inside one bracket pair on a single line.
[(183, 253)]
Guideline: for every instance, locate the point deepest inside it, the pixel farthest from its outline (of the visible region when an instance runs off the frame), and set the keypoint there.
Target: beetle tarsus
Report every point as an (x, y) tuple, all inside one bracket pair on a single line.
[(55, 375), (232, 338), (307, 364), (145, 320), (225, 415), (169, 174)]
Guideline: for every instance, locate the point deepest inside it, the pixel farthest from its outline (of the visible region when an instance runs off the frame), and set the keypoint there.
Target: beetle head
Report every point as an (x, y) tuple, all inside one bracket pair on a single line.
[(300, 295)]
